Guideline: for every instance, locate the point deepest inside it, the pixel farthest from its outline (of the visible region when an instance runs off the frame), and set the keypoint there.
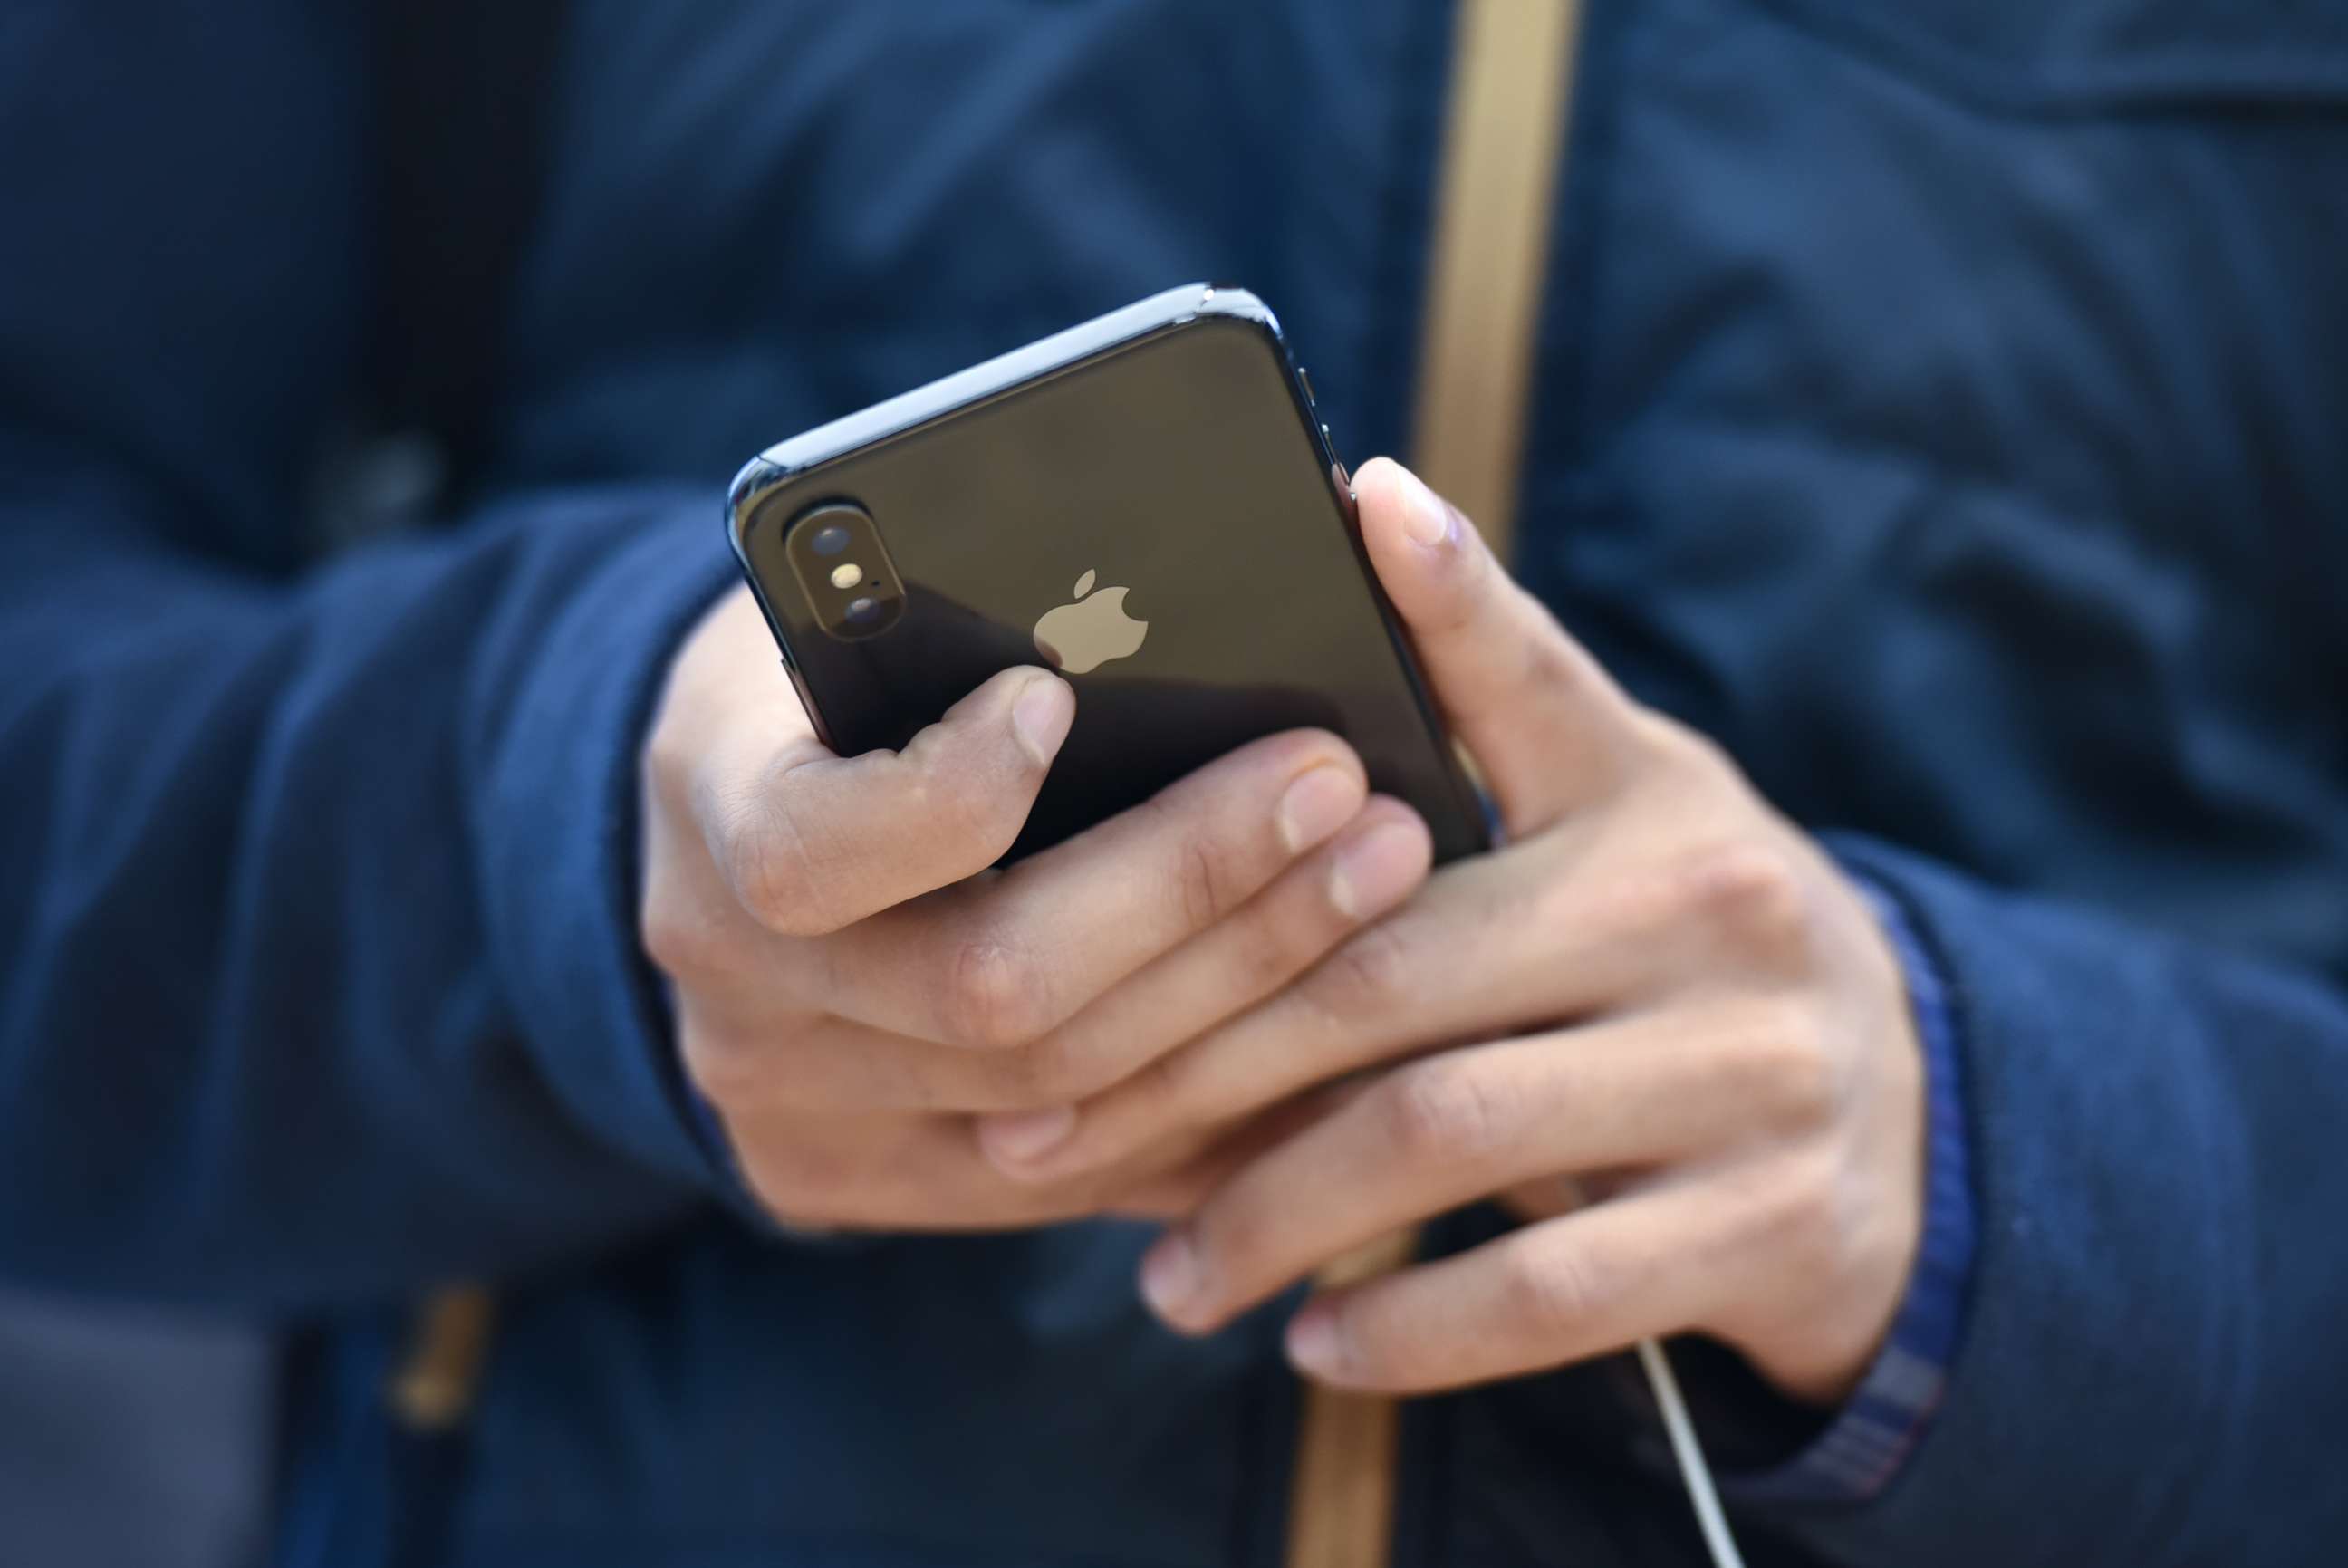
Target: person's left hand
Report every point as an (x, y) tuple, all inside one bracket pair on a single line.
[(1659, 994)]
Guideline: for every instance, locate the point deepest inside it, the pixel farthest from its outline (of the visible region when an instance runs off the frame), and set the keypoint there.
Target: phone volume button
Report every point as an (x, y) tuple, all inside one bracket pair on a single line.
[(1305, 376)]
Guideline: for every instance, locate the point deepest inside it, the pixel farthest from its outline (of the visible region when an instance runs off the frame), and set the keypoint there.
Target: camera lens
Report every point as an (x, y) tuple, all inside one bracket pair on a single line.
[(846, 582)]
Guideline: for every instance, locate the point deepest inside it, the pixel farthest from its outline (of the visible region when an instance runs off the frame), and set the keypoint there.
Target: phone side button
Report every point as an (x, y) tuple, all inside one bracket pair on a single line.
[(806, 699), (1306, 376)]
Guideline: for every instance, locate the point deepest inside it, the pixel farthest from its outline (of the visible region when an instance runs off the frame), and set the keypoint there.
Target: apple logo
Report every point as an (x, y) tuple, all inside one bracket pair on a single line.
[(1086, 634)]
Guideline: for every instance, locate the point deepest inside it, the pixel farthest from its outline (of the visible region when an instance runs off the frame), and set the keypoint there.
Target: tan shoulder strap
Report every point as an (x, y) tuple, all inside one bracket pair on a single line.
[(1504, 147), (432, 1387), (1504, 142)]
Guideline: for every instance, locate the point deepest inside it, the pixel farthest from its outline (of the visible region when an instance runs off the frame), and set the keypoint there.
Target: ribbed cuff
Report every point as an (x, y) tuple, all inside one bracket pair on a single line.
[(562, 863), (1864, 1445)]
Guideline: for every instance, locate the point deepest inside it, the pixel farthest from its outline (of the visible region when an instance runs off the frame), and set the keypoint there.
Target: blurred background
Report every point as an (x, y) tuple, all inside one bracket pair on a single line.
[(131, 1438)]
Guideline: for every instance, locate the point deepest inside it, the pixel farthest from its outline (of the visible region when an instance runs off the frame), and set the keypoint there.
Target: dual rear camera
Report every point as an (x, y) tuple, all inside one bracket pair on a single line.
[(847, 579)]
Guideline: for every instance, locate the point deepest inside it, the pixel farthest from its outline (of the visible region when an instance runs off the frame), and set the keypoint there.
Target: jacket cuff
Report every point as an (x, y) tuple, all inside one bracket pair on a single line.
[(560, 842), (1865, 1443)]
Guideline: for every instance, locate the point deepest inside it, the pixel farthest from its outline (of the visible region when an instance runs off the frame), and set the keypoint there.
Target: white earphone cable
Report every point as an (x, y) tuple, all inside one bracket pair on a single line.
[(1689, 1452)]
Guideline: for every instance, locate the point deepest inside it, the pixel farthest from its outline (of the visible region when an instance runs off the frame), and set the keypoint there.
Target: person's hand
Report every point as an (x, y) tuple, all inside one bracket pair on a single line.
[(1659, 994), (850, 974)]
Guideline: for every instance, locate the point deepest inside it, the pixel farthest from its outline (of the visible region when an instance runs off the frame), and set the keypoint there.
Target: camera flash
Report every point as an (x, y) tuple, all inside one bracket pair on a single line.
[(846, 574)]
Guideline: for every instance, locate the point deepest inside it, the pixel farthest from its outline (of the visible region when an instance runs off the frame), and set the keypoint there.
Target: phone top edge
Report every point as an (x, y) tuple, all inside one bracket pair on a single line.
[(1172, 307), (750, 481)]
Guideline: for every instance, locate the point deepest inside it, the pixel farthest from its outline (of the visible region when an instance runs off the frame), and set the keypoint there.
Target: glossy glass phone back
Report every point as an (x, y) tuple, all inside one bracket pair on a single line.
[(1165, 507)]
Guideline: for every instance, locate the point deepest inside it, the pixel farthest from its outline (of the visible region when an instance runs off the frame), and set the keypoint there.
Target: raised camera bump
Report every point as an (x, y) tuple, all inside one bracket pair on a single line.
[(843, 569)]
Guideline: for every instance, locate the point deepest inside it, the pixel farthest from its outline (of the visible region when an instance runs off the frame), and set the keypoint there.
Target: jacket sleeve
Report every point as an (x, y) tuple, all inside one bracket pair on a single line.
[(317, 973), (2151, 1362)]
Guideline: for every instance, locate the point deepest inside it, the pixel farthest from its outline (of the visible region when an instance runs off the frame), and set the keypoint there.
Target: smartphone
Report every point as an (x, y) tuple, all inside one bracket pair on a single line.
[(1147, 503)]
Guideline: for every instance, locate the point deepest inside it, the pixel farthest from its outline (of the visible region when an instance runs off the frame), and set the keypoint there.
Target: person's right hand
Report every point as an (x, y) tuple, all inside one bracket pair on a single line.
[(851, 979)]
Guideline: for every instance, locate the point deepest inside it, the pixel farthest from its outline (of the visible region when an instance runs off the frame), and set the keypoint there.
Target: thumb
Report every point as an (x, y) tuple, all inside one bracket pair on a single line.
[(1548, 726), (812, 842)]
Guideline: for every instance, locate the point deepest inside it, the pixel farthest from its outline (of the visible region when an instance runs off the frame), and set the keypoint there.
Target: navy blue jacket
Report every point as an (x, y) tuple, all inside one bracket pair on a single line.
[(1945, 404)]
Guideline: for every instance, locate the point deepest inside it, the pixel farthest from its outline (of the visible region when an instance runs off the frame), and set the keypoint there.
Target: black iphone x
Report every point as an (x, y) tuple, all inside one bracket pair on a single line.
[(1147, 503)]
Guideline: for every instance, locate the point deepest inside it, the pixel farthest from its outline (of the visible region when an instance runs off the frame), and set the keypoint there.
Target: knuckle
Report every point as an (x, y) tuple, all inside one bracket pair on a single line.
[(983, 824), (1240, 1233), (677, 937), (1806, 1215), (1170, 1091), (1265, 955), (1271, 946), (1553, 667), (771, 866), (1633, 906), (668, 765), (801, 1182), (1443, 1110), (1200, 880), (1548, 1292), (722, 1065), (1791, 1070), (1682, 749), (889, 1082), (1755, 894), (1366, 973), (1046, 1070), (932, 788), (1201, 870), (993, 997)]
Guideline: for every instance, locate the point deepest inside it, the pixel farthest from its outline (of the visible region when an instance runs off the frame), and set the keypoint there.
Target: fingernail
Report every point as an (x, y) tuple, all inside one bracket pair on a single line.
[(1170, 1276), (1373, 872), (1425, 516), (1021, 1138), (1041, 714), (1321, 801), (1312, 1346)]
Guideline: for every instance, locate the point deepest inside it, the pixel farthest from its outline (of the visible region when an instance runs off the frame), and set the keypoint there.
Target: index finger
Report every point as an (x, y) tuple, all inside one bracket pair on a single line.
[(811, 842), (1001, 960)]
